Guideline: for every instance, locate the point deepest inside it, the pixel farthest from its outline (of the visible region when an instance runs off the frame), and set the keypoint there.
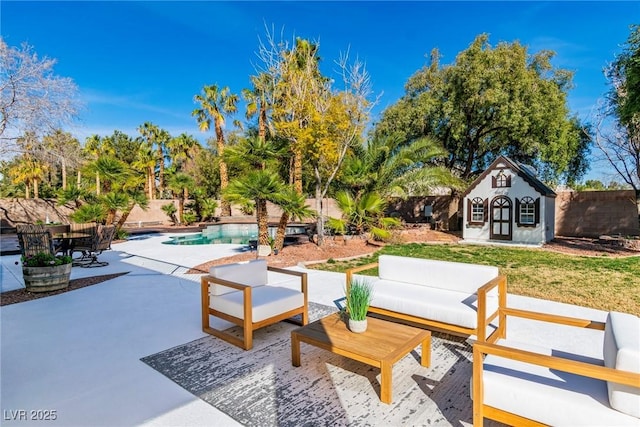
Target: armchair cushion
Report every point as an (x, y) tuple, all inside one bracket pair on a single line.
[(546, 395), (267, 301), (622, 351), (251, 273)]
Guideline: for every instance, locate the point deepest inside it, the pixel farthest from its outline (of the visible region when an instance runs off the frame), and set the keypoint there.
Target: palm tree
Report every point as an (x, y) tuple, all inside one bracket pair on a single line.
[(362, 214), (95, 147), (136, 197), (215, 103), (180, 183), (113, 202), (146, 161), (182, 149), (252, 153), (390, 167), (257, 102), (159, 138), (257, 186), (293, 207)]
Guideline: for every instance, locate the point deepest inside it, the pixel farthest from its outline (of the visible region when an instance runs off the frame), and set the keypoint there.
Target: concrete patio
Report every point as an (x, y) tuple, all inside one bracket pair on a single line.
[(78, 353)]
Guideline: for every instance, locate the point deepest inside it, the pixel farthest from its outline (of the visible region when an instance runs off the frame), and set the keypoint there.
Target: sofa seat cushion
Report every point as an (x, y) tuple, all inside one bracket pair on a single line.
[(453, 276), (456, 308), (622, 351), (251, 273), (548, 396), (267, 301)]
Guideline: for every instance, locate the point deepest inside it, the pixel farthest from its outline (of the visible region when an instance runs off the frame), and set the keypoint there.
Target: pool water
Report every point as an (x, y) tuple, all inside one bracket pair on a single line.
[(201, 239), (238, 234)]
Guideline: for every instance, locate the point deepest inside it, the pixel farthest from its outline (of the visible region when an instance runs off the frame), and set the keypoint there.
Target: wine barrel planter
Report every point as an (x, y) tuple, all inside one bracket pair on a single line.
[(45, 279)]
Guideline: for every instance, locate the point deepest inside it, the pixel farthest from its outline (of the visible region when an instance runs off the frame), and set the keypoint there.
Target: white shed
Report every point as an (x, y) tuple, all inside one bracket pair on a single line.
[(507, 203)]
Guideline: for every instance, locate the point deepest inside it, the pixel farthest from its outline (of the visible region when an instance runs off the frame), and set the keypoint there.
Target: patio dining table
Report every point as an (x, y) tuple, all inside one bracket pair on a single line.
[(68, 240)]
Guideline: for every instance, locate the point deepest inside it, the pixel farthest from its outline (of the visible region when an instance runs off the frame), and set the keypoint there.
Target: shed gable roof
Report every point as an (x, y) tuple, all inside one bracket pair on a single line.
[(521, 171)]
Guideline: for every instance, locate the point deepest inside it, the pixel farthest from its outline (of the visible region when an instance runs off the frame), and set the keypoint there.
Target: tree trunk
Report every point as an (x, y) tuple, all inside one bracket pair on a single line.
[(125, 215), (36, 190), (225, 206), (160, 172), (262, 123), (79, 179), (111, 215), (98, 183), (297, 171), (638, 205), (64, 174), (181, 208), (281, 232), (150, 184), (320, 217), (263, 222)]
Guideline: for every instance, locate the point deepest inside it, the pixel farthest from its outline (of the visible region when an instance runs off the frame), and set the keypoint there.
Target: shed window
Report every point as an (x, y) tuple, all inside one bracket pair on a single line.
[(528, 211), (477, 211), (501, 180)]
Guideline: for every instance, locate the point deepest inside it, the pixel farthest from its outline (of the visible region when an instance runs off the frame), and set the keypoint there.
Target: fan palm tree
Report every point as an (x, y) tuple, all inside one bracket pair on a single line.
[(159, 139), (293, 207), (180, 183), (214, 104), (362, 214), (146, 161), (258, 102), (257, 186)]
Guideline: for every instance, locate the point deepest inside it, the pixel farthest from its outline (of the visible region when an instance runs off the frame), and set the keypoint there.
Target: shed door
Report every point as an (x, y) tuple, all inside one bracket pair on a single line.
[(501, 212)]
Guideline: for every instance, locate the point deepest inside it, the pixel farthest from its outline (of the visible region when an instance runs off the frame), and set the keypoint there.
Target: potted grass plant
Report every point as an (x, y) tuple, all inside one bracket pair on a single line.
[(44, 272), (358, 296)]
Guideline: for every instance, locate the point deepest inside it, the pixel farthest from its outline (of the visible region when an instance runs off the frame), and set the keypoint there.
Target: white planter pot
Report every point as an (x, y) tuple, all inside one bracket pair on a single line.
[(358, 326)]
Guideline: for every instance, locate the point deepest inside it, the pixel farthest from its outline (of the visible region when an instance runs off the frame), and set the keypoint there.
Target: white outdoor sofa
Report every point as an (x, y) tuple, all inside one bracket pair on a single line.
[(240, 293), (455, 297), (524, 384)]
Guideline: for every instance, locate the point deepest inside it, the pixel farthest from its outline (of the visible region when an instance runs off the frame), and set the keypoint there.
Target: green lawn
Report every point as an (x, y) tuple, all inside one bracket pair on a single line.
[(605, 283)]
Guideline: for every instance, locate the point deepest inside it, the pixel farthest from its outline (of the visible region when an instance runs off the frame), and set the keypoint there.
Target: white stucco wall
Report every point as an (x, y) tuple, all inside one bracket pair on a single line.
[(520, 188)]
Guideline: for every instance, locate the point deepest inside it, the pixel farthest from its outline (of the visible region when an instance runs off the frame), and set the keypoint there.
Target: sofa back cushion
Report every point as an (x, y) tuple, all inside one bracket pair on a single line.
[(252, 273), (454, 276), (622, 351)]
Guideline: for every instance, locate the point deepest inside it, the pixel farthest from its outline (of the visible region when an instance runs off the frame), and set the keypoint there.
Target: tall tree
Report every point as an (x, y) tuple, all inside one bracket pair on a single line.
[(95, 146), (297, 84), (215, 103), (158, 139), (32, 97), (63, 149), (617, 128), (491, 101), (258, 102), (180, 184), (182, 151)]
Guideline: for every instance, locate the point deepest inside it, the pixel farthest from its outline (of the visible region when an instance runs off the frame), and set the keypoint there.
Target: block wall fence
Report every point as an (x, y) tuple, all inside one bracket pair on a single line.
[(578, 214)]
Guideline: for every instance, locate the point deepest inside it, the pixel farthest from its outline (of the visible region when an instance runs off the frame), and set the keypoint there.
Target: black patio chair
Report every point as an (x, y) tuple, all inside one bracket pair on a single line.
[(34, 242), (101, 242)]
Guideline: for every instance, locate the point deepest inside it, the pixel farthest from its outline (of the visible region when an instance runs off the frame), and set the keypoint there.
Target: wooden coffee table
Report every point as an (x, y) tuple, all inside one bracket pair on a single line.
[(382, 345)]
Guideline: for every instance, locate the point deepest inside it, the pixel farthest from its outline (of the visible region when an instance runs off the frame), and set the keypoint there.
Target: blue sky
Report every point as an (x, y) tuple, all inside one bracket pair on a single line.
[(144, 61)]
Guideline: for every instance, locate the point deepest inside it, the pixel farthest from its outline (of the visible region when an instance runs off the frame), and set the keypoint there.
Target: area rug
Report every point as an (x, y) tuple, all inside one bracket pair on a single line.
[(260, 387)]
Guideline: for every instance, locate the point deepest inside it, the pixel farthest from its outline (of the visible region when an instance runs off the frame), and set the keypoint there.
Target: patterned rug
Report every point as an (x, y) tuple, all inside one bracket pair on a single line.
[(260, 387)]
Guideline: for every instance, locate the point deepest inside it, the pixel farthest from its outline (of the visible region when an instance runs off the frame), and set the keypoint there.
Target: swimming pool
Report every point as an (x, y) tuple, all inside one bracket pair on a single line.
[(238, 234)]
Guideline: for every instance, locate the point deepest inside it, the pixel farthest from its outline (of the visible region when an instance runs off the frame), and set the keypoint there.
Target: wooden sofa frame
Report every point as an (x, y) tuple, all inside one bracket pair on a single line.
[(481, 411), (484, 318), (247, 324)]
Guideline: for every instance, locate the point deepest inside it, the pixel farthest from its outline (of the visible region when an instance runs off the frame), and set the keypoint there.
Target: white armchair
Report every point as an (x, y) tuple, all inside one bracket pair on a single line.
[(240, 293), (524, 384)]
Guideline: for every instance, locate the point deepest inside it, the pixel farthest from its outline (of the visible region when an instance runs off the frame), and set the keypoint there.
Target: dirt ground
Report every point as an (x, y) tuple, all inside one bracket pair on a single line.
[(340, 249)]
